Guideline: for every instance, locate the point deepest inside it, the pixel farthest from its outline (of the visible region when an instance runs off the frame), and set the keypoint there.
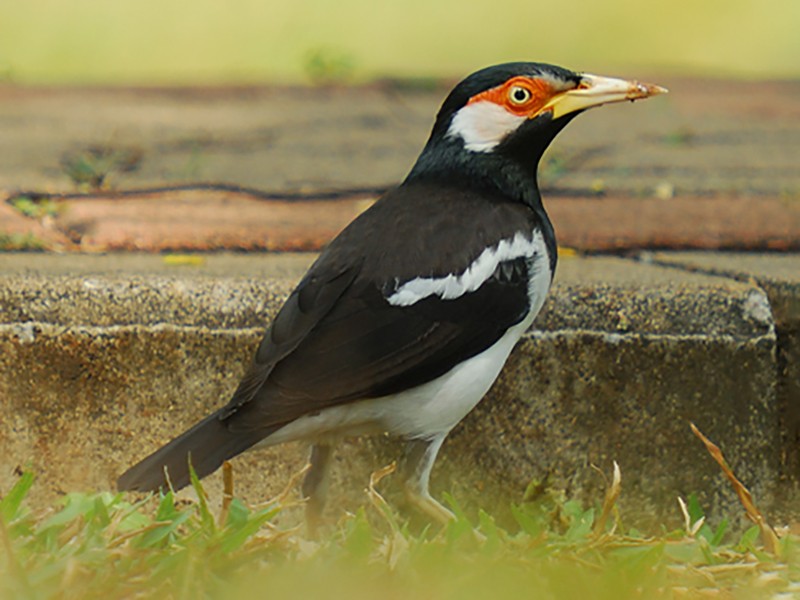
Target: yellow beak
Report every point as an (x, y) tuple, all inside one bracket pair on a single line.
[(595, 91)]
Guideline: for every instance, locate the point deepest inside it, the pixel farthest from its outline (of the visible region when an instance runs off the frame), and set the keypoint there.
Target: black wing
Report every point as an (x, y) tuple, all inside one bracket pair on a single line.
[(307, 305), (367, 348), (337, 339)]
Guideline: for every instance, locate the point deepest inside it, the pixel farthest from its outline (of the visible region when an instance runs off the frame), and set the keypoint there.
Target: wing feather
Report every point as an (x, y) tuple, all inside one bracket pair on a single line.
[(313, 298), (365, 347)]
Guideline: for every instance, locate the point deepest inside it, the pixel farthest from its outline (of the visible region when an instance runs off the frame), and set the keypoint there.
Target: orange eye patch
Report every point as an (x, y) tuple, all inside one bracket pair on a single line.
[(522, 96)]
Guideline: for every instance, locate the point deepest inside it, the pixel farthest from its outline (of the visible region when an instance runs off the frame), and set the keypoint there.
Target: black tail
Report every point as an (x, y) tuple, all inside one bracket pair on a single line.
[(207, 445)]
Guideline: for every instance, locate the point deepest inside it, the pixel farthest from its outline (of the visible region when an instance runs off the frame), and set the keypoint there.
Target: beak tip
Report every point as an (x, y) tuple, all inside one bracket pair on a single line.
[(646, 90), (658, 89)]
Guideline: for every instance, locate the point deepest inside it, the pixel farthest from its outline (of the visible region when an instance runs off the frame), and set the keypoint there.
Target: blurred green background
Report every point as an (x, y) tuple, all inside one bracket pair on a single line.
[(252, 41)]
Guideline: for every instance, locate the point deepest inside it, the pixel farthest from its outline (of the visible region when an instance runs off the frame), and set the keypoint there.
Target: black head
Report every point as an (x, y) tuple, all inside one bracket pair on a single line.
[(495, 77), (494, 126)]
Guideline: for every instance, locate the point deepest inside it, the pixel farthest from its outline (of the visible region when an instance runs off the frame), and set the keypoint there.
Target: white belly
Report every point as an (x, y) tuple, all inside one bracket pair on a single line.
[(421, 412)]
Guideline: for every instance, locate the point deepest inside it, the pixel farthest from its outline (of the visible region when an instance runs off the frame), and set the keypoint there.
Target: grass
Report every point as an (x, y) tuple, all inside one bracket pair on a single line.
[(104, 546), (13, 242), (34, 208), (39, 209), (89, 167)]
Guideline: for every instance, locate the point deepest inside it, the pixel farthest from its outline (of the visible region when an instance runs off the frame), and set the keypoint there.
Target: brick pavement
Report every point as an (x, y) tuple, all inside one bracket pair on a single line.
[(712, 165)]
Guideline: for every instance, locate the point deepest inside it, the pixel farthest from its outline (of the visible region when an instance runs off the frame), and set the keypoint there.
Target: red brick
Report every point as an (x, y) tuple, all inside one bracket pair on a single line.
[(204, 220), (211, 219), (619, 223)]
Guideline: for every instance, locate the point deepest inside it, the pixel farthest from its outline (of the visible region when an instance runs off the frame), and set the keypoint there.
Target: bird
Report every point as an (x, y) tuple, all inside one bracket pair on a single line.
[(405, 319)]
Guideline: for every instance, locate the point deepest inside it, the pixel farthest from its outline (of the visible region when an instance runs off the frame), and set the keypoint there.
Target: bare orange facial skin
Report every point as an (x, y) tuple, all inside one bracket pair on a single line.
[(521, 96)]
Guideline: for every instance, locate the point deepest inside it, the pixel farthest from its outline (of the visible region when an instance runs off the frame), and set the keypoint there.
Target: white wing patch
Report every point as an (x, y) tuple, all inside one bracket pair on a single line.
[(483, 125), (455, 285)]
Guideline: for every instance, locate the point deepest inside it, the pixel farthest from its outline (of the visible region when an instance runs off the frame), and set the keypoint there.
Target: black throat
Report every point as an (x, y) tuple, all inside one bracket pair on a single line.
[(510, 169)]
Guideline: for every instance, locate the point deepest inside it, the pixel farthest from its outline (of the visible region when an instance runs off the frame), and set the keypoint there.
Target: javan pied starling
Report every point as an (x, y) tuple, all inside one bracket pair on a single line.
[(406, 318)]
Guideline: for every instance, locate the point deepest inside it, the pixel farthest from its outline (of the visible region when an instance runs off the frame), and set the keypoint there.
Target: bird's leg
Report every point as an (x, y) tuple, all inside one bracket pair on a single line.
[(315, 485), (415, 469)]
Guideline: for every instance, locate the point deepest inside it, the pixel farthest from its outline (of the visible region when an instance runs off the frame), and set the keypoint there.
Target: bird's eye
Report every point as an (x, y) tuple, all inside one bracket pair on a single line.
[(519, 95)]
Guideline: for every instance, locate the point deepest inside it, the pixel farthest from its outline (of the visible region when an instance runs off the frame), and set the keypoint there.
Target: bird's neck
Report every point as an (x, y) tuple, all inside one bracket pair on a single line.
[(443, 162)]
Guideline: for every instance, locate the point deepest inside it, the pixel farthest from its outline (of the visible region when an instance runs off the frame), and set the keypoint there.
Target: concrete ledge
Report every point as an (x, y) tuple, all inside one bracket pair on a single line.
[(779, 276), (103, 358)]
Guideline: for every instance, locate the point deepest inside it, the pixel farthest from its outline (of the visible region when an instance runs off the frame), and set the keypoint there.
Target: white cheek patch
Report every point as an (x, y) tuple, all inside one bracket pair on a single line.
[(453, 286), (483, 125)]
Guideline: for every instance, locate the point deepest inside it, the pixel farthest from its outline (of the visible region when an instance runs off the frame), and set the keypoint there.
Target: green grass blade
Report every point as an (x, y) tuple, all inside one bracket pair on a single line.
[(11, 503)]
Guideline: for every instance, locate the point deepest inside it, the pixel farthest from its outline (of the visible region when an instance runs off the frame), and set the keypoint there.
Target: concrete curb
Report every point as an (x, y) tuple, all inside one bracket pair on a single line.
[(97, 368)]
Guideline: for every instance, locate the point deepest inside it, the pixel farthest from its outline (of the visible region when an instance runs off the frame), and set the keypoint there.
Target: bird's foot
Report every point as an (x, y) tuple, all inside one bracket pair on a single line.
[(434, 509), (426, 504)]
